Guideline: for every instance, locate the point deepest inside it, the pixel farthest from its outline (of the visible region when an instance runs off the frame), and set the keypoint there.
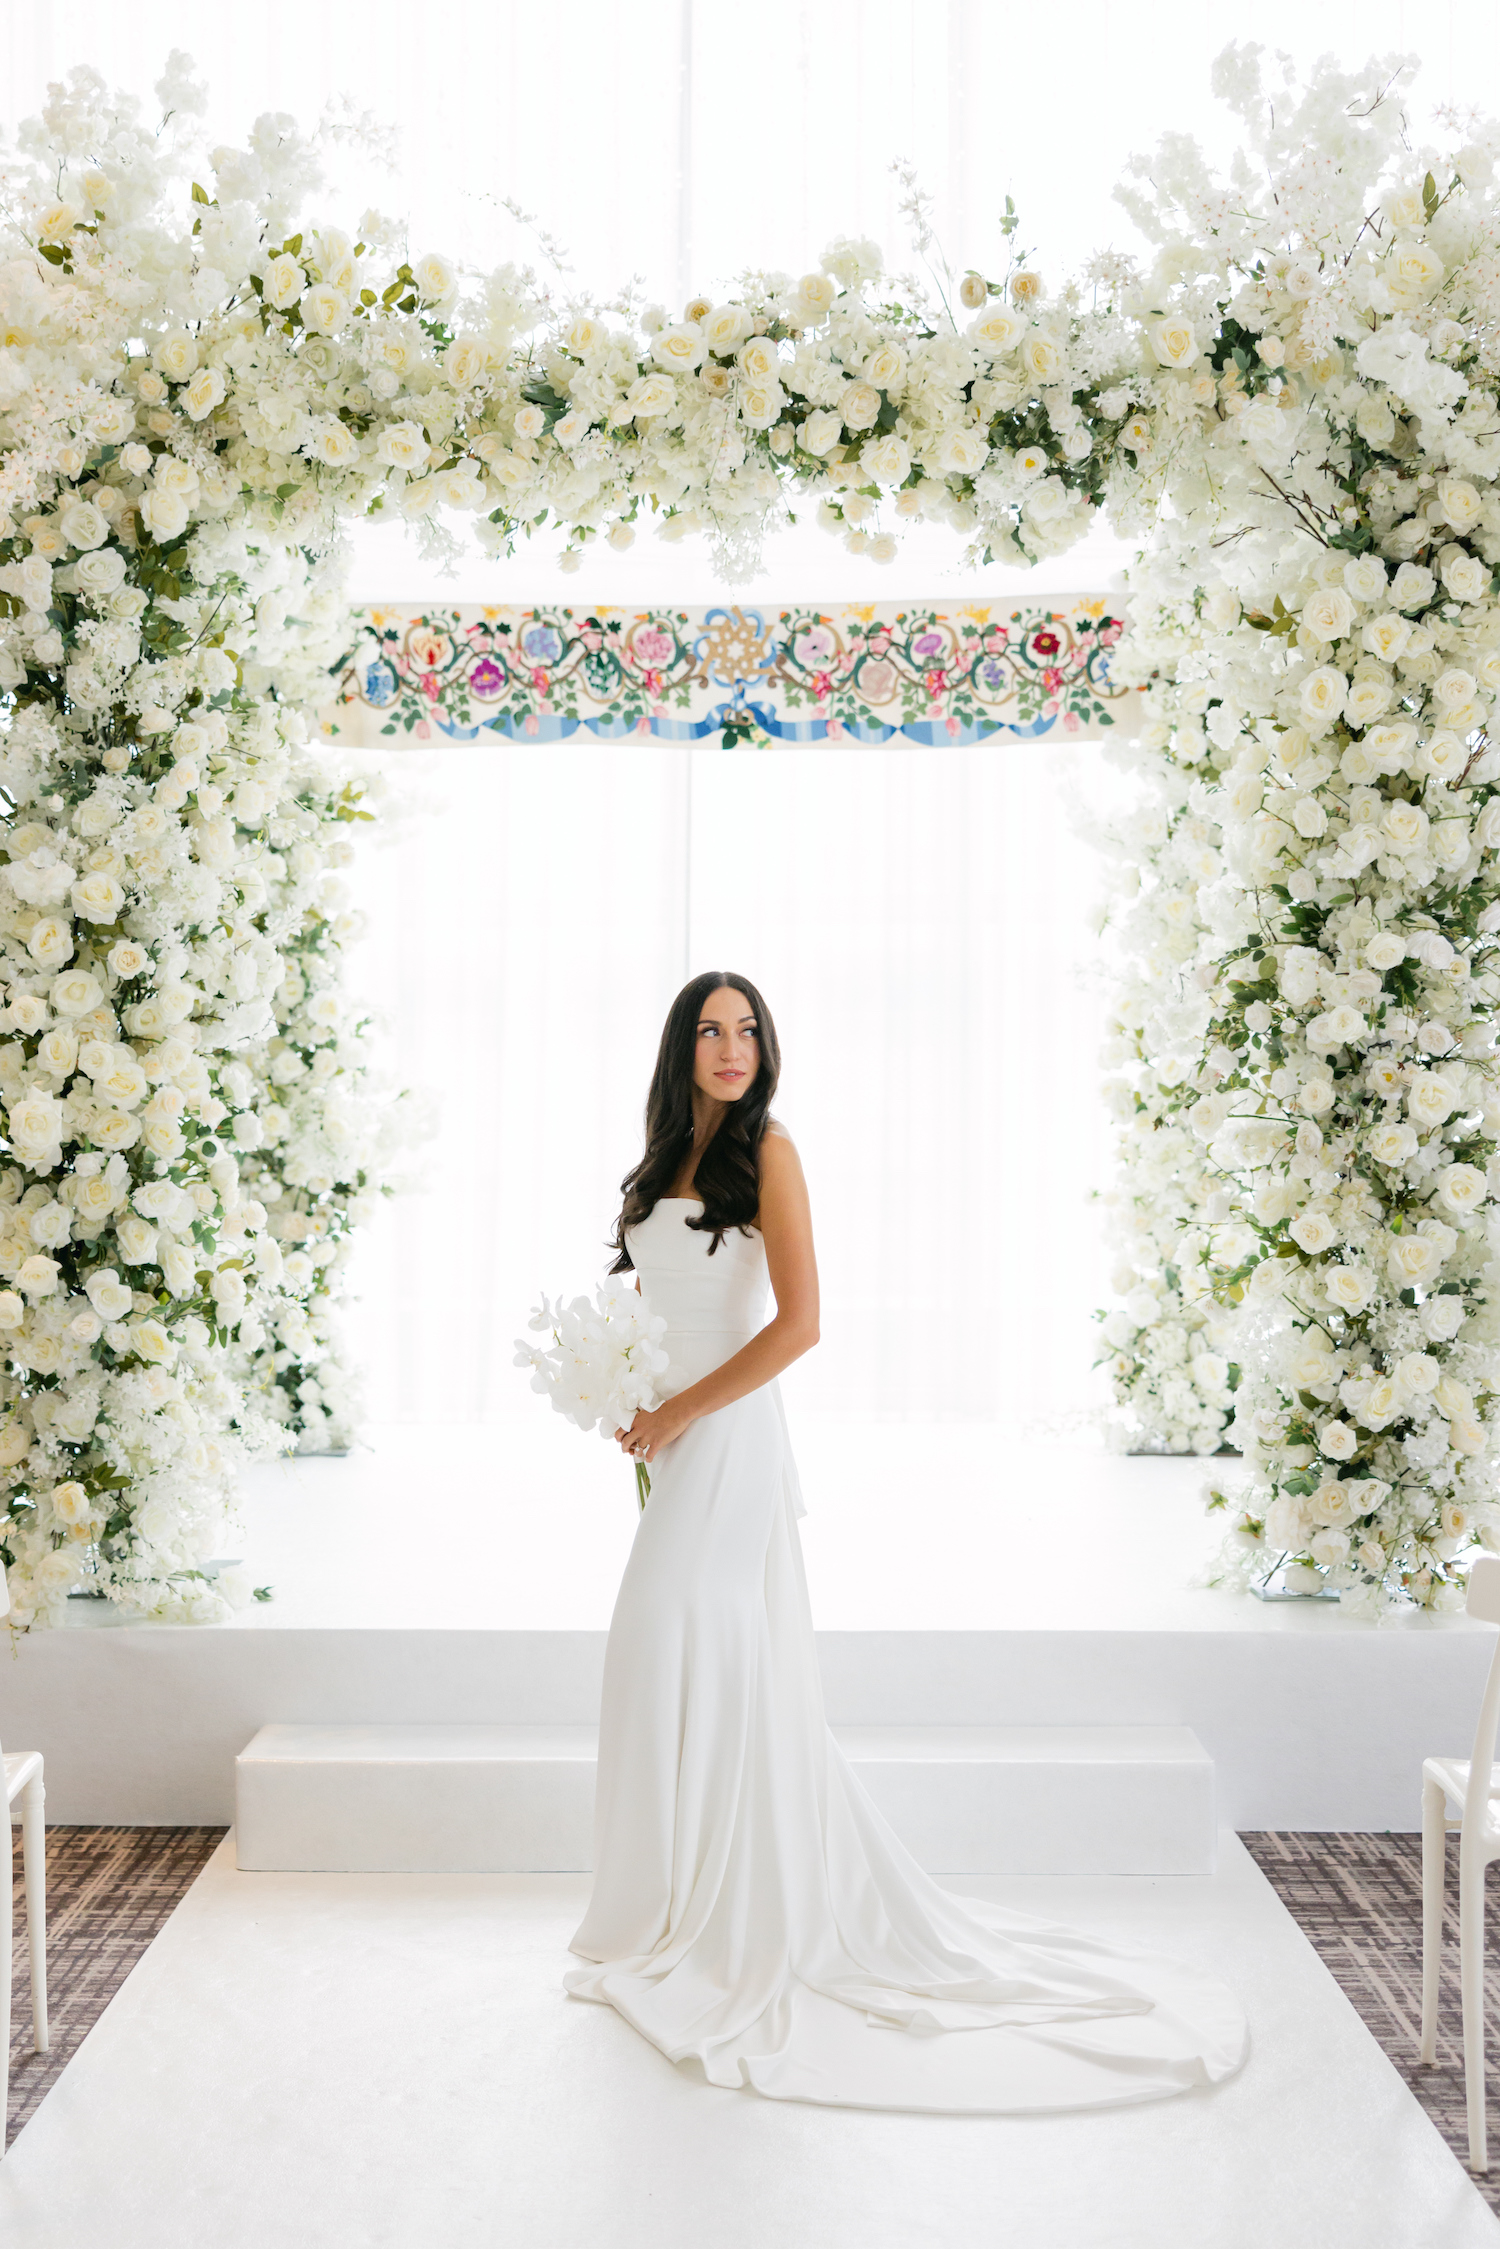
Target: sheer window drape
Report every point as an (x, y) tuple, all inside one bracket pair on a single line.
[(917, 923)]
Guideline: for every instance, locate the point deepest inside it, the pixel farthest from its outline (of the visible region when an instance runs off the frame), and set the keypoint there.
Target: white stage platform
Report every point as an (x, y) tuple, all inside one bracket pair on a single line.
[(465, 1576), (389, 2060)]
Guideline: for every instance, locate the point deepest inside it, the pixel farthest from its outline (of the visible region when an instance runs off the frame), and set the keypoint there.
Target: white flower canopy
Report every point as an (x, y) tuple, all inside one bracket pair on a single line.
[(1294, 406)]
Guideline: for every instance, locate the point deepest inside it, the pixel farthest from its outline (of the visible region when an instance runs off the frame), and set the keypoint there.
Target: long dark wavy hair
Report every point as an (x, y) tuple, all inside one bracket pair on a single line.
[(728, 1175)]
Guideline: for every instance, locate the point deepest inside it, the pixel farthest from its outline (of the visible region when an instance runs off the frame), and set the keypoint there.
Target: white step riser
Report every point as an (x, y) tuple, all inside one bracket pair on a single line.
[(1055, 1801)]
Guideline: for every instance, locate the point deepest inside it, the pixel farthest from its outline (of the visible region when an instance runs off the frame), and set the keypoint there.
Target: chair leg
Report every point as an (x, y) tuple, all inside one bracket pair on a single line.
[(1471, 1972), (1434, 1842), (34, 1856)]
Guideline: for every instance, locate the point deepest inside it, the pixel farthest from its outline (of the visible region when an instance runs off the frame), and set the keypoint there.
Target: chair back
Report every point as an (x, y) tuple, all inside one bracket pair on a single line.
[(1483, 1602)]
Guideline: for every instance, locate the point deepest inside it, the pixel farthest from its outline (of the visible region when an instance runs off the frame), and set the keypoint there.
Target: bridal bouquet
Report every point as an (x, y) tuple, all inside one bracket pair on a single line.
[(604, 1362)]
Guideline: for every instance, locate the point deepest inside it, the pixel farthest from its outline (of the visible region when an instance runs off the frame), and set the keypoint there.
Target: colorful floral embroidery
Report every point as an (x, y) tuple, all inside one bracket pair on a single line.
[(865, 673)]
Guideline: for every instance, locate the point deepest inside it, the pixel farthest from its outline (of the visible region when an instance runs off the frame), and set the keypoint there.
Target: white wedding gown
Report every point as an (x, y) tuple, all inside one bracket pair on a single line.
[(751, 1908)]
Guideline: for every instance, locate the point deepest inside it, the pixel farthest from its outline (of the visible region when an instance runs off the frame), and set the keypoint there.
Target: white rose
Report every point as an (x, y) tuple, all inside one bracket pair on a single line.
[(403, 445), (1430, 1101), (1404, 827), (76, 992), (1454, 689), (177, 356), (760, 404), (860, 406), (1329, 613), (137, 1241), (324, 309), (50, 943), (204, 393), (178, 1268), (99, 574), (150, 1341), (725, 329), (1412, 587), (585, 334), (963, 452), (465, 361), (1313, 1232), (1337, 1440), (1413, 1260), (1459, 501), (1466, 578), (1173, 342), (164, 513), (1385, 950), (650, 396), (997, 331), (887, 460), (1042, 358), (1416, 1372), (83, 525), (1392, 1144), (1461, 1188), (886, 368), (98, 897), (1365, 577), (108, 1294), (678, 349), (1322, 698), (1386, 636), (821, 432), (1364, 703), (38, 1276), (435, 277), (817, 292), (760, 360), (282, 283), (1350, 1287)]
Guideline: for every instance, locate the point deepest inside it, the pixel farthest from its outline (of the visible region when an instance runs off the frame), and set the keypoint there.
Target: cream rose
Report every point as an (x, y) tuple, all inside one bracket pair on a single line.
[(725, 328), (50, 942), (204, 393), (1329, 613), (860, 406), (282, 283), (679, 350), (83, 525), (821, 432), (1313, 1232), (164, 514), (1173, 342), (997, 331), (760, 360), (98, 897), (650, 396), (887, 459)]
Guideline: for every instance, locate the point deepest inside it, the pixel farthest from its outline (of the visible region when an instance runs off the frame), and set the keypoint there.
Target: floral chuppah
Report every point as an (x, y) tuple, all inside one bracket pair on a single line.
[(1313, 980), (1297, 402)]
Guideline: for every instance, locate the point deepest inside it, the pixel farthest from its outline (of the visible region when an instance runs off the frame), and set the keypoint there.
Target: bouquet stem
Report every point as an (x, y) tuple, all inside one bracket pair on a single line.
[(642, 1484)]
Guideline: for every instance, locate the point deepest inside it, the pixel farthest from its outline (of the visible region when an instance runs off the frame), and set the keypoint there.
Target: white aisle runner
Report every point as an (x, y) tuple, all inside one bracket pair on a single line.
[(373, 2060)]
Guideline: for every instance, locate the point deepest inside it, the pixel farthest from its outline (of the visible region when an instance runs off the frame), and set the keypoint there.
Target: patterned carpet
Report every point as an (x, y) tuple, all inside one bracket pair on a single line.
[(1358, 1901), (109, 1889), (1357, 1898)]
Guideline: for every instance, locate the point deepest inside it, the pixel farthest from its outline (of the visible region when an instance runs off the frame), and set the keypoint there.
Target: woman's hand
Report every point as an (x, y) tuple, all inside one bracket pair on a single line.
[(649, 1432)]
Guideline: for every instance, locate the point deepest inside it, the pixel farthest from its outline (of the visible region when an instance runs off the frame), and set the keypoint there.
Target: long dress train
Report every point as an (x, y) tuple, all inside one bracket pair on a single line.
[(751, 1908)]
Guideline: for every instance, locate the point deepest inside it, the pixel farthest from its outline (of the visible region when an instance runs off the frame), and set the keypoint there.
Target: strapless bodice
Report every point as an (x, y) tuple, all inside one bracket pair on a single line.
[(695, 1293)]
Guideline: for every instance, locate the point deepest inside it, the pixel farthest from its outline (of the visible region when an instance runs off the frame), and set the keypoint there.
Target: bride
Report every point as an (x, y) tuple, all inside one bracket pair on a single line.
[(751, 1908)]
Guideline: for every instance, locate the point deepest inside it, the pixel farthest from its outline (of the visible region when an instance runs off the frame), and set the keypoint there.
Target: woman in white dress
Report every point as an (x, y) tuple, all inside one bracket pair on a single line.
[(751, 1908)]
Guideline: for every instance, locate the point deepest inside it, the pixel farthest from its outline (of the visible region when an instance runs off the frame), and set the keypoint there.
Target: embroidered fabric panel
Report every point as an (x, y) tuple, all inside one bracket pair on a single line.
[(865, 673)]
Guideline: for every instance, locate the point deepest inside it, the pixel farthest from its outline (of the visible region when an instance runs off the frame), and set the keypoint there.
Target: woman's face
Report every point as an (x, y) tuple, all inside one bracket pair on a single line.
[(727, 1057)]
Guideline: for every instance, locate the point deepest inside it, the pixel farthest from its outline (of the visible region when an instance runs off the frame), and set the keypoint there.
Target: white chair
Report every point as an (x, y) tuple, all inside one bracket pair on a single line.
[(1468, 1790), (23, 1778)]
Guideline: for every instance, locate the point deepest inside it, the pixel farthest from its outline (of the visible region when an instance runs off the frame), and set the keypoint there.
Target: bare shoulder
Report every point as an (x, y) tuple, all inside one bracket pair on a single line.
[(780, 1165)]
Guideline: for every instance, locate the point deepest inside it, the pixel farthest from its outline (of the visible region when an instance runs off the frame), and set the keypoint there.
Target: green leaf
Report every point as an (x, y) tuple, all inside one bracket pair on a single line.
[(1430, 196), (201, 194)]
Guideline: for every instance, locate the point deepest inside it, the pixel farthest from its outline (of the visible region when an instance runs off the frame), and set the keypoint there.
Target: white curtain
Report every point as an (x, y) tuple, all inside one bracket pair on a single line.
[(917, 923)]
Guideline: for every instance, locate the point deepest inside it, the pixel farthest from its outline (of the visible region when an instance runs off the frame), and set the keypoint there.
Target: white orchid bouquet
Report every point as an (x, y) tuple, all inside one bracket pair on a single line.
[(604, 1364)]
